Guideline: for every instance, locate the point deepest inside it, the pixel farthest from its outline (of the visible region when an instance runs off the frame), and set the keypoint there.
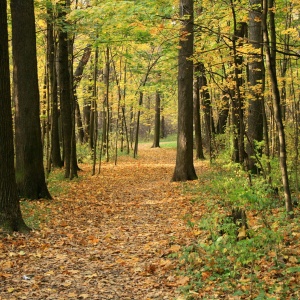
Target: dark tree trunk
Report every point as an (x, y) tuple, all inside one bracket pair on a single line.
[(56, 160), (30, 175), (65, 91), (205, 97), (106, 120), (94, 111), (206, 104), (255, 71), (10, 213), (184, 169), (136, 141), (197, 119), (157, 121), (79, 121), (81, 65), (86, 119), (163, 133), (73, 165)]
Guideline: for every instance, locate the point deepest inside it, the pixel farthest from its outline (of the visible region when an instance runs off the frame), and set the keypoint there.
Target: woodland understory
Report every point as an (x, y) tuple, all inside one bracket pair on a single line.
[(130, 233)]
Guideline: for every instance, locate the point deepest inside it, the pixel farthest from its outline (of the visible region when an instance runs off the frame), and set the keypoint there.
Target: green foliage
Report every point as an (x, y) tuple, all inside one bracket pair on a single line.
[(228, 256), (84, 153), (34, 213), (56, 182)]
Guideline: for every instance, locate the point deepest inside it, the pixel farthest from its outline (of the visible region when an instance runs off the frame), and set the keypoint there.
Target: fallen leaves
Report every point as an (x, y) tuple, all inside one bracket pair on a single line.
[(120, 235), (103, 237)]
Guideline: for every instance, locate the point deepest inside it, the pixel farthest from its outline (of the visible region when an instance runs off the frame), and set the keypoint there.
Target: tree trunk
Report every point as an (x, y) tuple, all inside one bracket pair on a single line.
[(206, 104), (65, 91), (184, 168), (271, 66), (136, 141), (94, 117), (56, 160), (256, 73), (10, 213), (30, 174), (77, 78), (197, 118), (157, 121), (237, 99), (106, 108), (73, 164), (163, 133)]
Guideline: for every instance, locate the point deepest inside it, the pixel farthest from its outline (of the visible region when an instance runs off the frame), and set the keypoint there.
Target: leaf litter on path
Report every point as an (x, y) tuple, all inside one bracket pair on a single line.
[(107, 236)]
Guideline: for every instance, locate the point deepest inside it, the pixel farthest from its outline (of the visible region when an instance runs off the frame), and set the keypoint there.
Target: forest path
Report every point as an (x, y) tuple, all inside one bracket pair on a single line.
[(107, 237)]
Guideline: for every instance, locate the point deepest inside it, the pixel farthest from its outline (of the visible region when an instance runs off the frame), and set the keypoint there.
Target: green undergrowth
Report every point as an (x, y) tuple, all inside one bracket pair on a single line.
[(228, 259), (56, 182), (38, 211), (35, 212)]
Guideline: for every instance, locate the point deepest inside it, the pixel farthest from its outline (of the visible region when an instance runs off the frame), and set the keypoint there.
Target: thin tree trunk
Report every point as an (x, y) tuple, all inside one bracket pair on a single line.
[(74, 165), (151, 64), (106, 119), (56, 160), (270, 47), (206, 104), (136, 141), (157, 121), (94, 110), (237, 100), (197, 118), (163, 133)]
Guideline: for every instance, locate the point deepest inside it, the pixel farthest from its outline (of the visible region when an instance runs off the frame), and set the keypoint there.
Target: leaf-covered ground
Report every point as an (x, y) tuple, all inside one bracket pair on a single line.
[(108, 236), (130, 233)]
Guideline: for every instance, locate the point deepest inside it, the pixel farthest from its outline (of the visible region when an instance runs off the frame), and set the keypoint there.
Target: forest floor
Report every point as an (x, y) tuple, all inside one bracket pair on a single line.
[(106, 236), (117, 236)]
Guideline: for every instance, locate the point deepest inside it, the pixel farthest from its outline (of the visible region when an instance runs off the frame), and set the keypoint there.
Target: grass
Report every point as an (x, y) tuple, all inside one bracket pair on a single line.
[(169, 142)]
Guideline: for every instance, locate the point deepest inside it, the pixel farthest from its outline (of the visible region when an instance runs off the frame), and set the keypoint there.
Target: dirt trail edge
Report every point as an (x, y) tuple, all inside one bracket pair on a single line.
[(108, 237)]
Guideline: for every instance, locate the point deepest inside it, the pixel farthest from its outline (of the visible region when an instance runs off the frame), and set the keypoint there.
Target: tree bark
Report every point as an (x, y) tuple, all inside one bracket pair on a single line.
[(157, 121), (10, 213), (56, 160), (163, 133), (237, 99), (77, 78), (270, 46), (65, 90), (197, 118), (206, 104), (256, 73), (30, 175), (184, 168)]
